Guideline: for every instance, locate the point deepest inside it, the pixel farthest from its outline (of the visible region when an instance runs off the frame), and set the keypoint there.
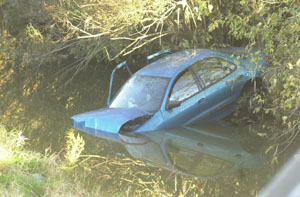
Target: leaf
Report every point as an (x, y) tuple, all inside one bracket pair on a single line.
[(284, 118), (274, 160), (261, 134), (270, 148), (210, 8)]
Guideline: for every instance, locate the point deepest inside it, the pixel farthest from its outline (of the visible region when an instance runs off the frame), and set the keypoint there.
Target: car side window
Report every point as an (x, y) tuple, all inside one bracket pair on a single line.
[(185, 87), (211, 70)]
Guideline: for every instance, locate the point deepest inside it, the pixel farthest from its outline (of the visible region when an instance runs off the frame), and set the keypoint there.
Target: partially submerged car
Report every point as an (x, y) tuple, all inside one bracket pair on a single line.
[(178, 89)]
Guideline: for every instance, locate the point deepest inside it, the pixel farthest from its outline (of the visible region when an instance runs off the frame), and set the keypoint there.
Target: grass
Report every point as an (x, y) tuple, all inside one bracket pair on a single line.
[(27, 173)]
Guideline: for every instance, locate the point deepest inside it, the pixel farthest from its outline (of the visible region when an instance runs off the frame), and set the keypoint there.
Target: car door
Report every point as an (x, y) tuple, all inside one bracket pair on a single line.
[(188, 92), (216, 76)]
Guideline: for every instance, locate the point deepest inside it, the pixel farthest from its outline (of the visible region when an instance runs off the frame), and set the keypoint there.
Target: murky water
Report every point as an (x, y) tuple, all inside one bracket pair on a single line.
[(211, 159), (219, 159), (208, 160)]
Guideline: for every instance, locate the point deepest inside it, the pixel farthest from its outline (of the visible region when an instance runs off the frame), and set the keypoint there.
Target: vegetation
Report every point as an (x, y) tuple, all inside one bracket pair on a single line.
[(54, 53), (27, 173)]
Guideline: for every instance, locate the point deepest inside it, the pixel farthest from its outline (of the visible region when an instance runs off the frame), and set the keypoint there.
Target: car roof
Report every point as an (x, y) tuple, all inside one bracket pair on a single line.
[(169, 65)]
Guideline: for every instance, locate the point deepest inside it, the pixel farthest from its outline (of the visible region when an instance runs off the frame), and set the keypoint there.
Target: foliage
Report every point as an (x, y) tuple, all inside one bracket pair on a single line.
[(74, 147), (27, 173)]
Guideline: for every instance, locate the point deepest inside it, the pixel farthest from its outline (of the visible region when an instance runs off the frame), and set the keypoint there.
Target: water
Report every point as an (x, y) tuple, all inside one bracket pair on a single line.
[(212, 160)]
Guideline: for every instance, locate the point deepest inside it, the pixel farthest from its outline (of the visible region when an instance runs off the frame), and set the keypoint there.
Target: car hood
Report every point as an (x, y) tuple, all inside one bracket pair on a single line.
[(106, 119)]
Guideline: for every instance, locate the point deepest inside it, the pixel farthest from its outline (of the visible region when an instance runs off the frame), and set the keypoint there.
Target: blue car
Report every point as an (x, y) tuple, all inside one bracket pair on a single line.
[(178, 89)]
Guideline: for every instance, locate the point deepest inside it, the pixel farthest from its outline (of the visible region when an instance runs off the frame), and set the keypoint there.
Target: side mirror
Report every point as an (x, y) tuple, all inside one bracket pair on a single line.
[(173, 104)]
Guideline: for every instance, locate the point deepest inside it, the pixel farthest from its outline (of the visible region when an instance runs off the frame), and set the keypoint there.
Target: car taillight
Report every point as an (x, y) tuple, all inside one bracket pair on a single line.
[(268, 58)]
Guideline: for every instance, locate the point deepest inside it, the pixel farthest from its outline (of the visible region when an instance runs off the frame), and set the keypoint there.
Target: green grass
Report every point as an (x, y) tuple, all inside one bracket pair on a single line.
[(19, 166)]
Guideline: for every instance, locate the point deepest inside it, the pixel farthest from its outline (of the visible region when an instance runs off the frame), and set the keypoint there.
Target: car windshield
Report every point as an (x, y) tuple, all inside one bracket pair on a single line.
[(142, 92)]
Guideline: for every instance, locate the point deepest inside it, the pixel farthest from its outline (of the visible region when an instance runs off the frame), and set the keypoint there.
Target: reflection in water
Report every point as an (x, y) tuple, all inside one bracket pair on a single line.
[(206, 150)]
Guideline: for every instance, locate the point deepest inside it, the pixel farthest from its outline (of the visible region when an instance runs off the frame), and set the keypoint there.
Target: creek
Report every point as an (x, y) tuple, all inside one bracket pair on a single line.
[(205, 162)]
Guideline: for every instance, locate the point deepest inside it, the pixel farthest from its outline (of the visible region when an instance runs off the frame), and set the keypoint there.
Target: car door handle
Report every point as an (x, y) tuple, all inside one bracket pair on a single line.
[(201, 100)]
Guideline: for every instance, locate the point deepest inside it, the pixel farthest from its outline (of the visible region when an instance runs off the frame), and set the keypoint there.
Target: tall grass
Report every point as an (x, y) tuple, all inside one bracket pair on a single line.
[(27, 173)]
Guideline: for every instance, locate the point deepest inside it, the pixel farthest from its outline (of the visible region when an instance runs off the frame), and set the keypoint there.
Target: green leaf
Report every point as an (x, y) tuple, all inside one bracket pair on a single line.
[(270, 148), (274, 160), (210, 8), (262, 134)]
